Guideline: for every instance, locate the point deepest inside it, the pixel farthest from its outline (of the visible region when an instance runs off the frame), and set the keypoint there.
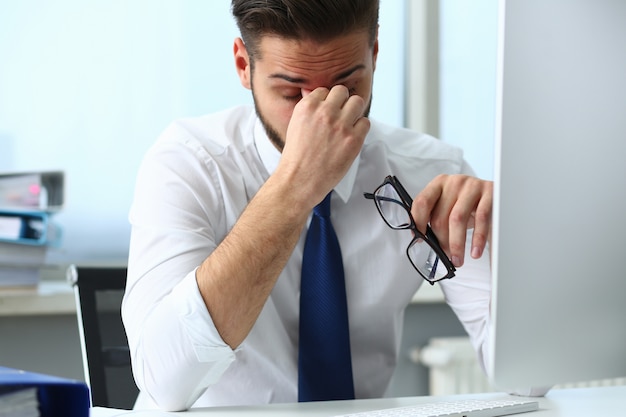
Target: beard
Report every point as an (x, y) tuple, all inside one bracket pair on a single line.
[(272, 133), (277, 140)]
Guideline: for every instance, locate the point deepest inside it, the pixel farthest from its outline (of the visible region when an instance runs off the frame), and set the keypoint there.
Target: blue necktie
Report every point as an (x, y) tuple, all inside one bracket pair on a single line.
[(324, 362)]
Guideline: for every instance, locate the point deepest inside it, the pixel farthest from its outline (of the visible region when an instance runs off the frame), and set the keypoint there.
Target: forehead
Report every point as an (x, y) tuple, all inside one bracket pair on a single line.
[(308, 59)]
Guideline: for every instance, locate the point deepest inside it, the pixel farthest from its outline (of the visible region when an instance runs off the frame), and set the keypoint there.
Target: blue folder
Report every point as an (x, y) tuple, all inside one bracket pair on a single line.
[(56, 396), (35, 228)]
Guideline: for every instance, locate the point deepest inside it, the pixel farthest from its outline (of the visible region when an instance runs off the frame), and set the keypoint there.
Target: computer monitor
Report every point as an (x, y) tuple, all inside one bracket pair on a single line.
[(559, 238)]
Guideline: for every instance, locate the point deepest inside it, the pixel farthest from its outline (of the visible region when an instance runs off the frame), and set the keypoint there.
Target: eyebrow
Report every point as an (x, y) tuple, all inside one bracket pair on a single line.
[(295, 80)]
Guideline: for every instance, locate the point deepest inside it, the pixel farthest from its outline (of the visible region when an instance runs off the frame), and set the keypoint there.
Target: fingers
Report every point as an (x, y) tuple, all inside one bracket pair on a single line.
[(338, 97), (336, 113), (424, 204), (482, 224), (452, 204), (437, 205), (325, 134)]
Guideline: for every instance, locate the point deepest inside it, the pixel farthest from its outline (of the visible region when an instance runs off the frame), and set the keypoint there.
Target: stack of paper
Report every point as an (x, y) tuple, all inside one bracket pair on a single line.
[(19, 403), (28, 202)]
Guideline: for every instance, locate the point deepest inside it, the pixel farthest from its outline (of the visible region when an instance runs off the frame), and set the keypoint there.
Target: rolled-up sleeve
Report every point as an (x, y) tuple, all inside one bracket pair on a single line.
[(469, 296), (176, 350)]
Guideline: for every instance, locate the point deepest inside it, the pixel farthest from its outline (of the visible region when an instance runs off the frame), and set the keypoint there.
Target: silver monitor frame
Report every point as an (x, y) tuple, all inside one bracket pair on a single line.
[(559, 239)]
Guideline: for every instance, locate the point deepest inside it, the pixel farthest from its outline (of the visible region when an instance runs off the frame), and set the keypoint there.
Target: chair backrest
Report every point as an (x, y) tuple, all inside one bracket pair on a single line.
[(106, 357)]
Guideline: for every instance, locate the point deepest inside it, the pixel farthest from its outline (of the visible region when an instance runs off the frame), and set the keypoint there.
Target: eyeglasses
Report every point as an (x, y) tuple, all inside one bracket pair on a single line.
[(394, 205)]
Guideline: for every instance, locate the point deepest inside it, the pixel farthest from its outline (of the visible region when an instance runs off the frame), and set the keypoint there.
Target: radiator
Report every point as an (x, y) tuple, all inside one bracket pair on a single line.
[(453, 368)]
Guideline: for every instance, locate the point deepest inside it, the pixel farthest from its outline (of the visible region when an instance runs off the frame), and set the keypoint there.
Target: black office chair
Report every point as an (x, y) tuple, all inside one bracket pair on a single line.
[(106, 357)]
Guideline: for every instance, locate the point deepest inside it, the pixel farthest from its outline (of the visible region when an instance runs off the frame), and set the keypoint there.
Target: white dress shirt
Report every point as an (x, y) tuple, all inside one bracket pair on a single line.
[(192, 186)]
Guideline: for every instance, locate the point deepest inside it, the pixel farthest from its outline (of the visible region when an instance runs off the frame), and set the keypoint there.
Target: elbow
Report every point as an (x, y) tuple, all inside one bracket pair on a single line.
[(175, 384), (172, 404), (166, 392)]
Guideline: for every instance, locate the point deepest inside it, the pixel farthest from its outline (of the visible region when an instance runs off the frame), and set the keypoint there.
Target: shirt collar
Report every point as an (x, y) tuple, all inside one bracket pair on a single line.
[(270, 156)]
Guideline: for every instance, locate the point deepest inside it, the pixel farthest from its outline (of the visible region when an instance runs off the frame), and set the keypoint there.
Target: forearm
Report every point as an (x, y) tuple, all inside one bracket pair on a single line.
[(237, 278), (172, 334), (325, 134)]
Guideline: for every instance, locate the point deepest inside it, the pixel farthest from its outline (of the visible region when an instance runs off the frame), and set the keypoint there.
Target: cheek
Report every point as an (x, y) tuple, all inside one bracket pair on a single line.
[(284, 114), (363, 83), (363, 88), (281, 111), (278, 114)]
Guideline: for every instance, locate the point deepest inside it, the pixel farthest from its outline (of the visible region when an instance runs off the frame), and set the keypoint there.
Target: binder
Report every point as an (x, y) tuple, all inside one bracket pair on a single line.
[(35, 191), (54, 396), (25, 238), (28, 228)]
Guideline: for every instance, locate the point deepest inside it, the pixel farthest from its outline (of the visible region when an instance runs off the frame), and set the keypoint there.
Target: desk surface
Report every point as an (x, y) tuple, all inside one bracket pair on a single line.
[(49, 298), (57, 297), (575, 402)]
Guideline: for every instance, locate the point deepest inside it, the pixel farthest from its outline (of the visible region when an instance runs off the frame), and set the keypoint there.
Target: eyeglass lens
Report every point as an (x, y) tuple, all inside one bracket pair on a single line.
[(425, 260), (421, 254), (392, 208)]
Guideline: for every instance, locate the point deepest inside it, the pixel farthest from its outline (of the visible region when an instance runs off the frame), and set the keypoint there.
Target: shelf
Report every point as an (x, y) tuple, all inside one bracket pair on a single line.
[(49, 298), (57, 297)]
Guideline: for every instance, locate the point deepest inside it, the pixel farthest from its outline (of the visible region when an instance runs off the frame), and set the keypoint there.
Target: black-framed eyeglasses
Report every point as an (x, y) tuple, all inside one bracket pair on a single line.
[(394, 205)]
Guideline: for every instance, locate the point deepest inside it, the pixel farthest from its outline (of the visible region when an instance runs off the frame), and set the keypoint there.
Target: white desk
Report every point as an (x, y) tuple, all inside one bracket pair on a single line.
[(575, 402)]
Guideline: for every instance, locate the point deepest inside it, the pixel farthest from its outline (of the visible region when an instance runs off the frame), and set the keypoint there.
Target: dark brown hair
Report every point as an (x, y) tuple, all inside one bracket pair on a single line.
[(320, 20)]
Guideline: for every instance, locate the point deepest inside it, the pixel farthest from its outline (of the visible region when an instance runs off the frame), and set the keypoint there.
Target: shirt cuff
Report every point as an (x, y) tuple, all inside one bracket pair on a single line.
[(207, 343)]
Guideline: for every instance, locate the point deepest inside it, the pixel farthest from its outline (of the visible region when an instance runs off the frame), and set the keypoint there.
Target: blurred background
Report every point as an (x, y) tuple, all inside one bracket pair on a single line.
[(87, 87)]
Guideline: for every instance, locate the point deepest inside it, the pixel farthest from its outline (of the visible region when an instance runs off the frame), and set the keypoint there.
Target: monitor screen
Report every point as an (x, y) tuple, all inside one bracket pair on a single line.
[(559, 239)]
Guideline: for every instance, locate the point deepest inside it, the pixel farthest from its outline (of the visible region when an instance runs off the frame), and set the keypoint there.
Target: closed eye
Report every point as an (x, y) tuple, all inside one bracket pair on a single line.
[(295, 97)]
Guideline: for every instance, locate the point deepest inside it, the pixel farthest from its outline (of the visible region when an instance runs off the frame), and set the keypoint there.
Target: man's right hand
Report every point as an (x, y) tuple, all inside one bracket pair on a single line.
[(325, 134)]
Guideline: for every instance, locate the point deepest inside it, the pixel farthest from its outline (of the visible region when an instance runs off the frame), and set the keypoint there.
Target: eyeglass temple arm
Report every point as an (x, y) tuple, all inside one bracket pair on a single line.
[(371, 196)]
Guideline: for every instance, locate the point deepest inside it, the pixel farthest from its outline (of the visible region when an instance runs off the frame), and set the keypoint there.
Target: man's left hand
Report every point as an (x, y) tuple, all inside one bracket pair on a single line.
[(452, 204)]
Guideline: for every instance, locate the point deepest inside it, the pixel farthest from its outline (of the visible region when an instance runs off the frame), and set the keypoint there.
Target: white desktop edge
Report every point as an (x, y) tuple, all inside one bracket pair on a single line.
[(574, 402)]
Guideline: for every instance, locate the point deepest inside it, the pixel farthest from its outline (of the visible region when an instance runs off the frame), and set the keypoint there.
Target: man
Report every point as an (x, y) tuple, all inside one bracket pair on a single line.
[(223, 203)]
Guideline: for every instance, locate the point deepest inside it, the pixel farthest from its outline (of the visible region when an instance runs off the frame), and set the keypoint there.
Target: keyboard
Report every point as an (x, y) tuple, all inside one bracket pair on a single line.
[(456, 408)]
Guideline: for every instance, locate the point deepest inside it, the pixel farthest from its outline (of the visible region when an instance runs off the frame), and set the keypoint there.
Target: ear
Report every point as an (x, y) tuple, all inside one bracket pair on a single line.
[(375, 51), (242, 62)]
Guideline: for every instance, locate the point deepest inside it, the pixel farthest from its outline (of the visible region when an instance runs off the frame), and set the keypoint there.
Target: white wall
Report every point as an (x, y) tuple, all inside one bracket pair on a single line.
[(87, 87), (467, 61)]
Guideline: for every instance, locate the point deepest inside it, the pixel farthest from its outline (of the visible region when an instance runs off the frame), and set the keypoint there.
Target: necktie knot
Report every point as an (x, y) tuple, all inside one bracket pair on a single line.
[(323, 208)]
